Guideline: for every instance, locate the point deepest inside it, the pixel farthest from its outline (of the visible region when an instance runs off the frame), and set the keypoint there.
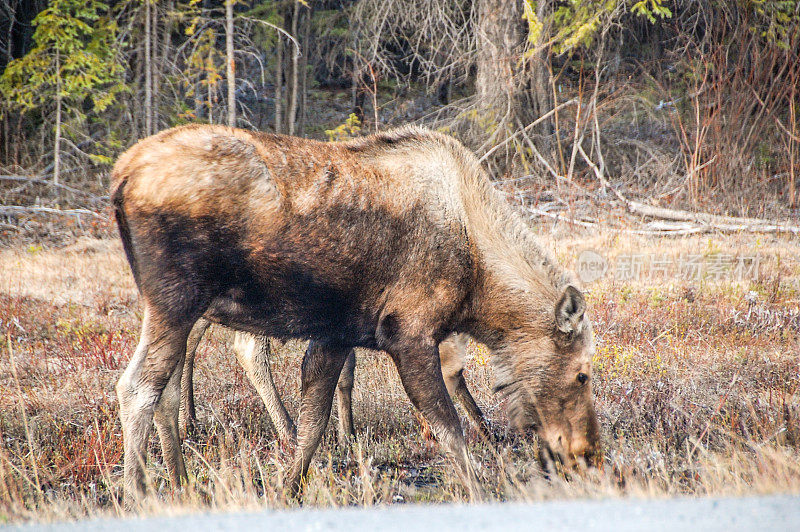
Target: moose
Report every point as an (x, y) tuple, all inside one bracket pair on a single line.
[(389, 242)]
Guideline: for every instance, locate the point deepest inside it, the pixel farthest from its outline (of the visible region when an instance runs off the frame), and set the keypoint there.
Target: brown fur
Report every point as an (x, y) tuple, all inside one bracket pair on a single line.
[(391, 242)]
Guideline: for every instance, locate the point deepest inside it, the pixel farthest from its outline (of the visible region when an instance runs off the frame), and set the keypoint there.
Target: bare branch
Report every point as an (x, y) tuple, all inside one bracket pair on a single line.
[(526, 128)]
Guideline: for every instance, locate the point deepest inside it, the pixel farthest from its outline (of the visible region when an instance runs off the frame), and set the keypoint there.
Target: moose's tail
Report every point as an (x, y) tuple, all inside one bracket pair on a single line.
[(124, 229)]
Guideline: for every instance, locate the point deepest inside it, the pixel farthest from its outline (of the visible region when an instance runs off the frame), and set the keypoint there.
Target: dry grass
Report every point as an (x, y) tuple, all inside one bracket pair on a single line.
[(696, 384)]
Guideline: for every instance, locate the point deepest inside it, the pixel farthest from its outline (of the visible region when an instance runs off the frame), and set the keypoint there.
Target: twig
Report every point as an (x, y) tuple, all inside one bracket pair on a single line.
[(104, 468), (777, 120), (538, 155), (289, 36), (702, 222), (712, 221), (689, 176), (559, 217), (599, 173), (681, 230)]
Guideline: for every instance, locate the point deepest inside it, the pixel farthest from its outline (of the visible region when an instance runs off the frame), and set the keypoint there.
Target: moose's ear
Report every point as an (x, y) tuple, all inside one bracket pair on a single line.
[(570, 309)]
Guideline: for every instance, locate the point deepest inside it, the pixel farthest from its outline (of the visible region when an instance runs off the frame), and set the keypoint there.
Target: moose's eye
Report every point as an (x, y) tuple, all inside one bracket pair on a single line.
[(582, 378)]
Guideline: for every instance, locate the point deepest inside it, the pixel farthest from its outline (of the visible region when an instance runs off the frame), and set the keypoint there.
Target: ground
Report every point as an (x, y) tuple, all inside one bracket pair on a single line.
[(775, 512), (696, 381)]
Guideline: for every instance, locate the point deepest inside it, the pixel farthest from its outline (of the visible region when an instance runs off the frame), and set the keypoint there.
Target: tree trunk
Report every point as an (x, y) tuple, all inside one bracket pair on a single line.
[(163, 61), (148, 71), (231, 66), (17, 135), (57, 146), (359, 94), (198, 100), (9, 58), (443, 91), (6, 133), (168, 8), (301, 110), (210, 89), (156, 63), (509, 95), (291, 111), (136, 101), (499, 44), (540, 67), (10, 33), (793, 148), (279, 84)]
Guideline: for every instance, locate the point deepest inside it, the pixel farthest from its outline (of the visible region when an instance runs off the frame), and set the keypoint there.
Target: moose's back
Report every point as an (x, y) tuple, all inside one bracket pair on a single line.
[(290, 237)]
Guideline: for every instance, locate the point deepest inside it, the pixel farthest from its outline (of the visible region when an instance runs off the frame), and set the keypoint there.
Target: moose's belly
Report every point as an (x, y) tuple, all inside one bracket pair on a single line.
[(303, 309)]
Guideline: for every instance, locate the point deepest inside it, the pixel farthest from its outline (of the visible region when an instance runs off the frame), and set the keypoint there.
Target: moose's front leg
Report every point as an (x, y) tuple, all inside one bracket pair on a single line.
[(322, 365), (421, 374), (253, 353)]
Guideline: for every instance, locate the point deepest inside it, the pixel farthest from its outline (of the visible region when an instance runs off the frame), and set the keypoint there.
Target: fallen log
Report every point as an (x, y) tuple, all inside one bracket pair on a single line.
[(40, 181), (708, 222), (654, 231), (702, 222), (17, 209)]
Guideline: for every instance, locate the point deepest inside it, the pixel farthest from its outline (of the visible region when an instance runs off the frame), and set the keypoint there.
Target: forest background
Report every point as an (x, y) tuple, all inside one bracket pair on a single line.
[(575, 106)]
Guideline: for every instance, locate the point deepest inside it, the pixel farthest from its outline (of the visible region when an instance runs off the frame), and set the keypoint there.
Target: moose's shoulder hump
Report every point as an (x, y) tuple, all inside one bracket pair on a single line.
[(402, 136)]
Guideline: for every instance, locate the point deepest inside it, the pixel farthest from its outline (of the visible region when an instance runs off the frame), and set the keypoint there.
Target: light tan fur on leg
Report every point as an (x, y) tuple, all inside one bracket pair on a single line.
[(452, 355), (135, 425), (253, 352)]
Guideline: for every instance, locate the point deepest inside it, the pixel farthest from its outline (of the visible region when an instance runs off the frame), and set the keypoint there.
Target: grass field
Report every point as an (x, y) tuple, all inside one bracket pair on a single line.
[(696, 382)]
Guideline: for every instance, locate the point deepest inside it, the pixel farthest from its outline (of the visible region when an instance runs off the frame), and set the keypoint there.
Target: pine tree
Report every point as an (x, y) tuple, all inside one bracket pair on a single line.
[(73, 62)]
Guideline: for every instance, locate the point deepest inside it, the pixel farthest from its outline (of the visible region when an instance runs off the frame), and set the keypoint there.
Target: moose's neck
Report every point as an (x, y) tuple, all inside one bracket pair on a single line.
[(501, 306)]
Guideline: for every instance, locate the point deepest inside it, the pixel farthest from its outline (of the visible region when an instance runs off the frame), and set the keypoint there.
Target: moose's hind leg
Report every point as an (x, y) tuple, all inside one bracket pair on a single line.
[(466, 399), (161, 349), (452, 353), (188, 413), (165, 417), (344, 399)]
